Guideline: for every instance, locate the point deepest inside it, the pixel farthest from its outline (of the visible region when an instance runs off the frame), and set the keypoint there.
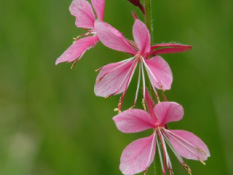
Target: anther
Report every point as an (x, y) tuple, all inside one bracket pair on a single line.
[(201, 151), (144, 104), (131, 107), (117, 110), (74, 63), (170, 172), (97, 70), (163, 89), (108, 96), (77, 38), (97, 81), (202, 161), (133, 44), (186, 167)]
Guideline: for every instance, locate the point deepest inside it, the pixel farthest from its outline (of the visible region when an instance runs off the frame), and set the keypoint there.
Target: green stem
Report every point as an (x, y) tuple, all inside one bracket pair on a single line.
[(148, 21), (148, 17)]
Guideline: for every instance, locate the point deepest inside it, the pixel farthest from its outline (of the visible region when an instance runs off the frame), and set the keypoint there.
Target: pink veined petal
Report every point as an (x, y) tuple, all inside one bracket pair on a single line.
[(188, 145), (141, 36), (112, 78), (168, 112), (160, 74), (83, 12), (99, 8), (138, 155), (172, 48), (77, 49), (134, 120), (112, 38), (128, 80)]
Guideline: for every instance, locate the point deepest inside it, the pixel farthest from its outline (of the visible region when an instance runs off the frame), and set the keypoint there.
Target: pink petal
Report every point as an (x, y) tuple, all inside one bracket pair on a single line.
[(83, 12), (172, 48), (113, 78), (188, 145), (141, 36), (138, 155), (134, 120), (112, 38), (160, 74), (99, 8), (168, 112), (77, 49)]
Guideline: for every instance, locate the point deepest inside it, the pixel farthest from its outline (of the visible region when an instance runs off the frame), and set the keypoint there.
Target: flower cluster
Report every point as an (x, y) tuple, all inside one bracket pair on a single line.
[(115, 78)]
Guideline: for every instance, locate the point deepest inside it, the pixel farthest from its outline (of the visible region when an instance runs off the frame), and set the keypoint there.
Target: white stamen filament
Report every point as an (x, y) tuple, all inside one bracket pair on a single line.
[(119, 66), (173, 150), (149, 72), (152, 146), (127, 74), (131, 72), (138, 83), (160, 154), (176, 137), (183, 144), (166, 153), (143, 80)]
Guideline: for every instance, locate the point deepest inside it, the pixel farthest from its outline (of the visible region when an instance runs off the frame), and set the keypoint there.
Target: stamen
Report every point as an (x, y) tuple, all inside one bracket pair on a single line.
[(133, 44), (164, 96), (78, 59), (131, 107), (187, 168), (85, 34), (174, 151), (160, 154), (144, 104), (109, 96), (169, 165), (124, 62), (202, 161), (131, 73), (170, 172), (139, 80), (163, 149), (200, 150), (152, 145), (161, 87), (143, 81), (99, 80), (184, 142), (145, 172), (97, 70), (117, 110), (149, 72), (148, 69)]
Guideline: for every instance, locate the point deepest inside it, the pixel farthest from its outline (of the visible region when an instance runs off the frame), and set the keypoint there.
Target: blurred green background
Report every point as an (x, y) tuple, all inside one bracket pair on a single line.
[(51, 123)]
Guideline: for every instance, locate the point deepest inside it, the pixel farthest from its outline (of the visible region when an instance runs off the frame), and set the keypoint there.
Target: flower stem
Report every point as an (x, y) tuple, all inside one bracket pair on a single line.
[(148, 17), (148, 21)]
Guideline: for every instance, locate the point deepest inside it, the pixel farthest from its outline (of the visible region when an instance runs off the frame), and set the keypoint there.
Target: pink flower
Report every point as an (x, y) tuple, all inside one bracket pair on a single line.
[(85, 18), (115, 78), (139, 155)]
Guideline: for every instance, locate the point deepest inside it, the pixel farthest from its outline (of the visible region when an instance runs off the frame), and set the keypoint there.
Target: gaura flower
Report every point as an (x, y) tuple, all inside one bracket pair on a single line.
[(139, 155), (115, 78), (85, 18)]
